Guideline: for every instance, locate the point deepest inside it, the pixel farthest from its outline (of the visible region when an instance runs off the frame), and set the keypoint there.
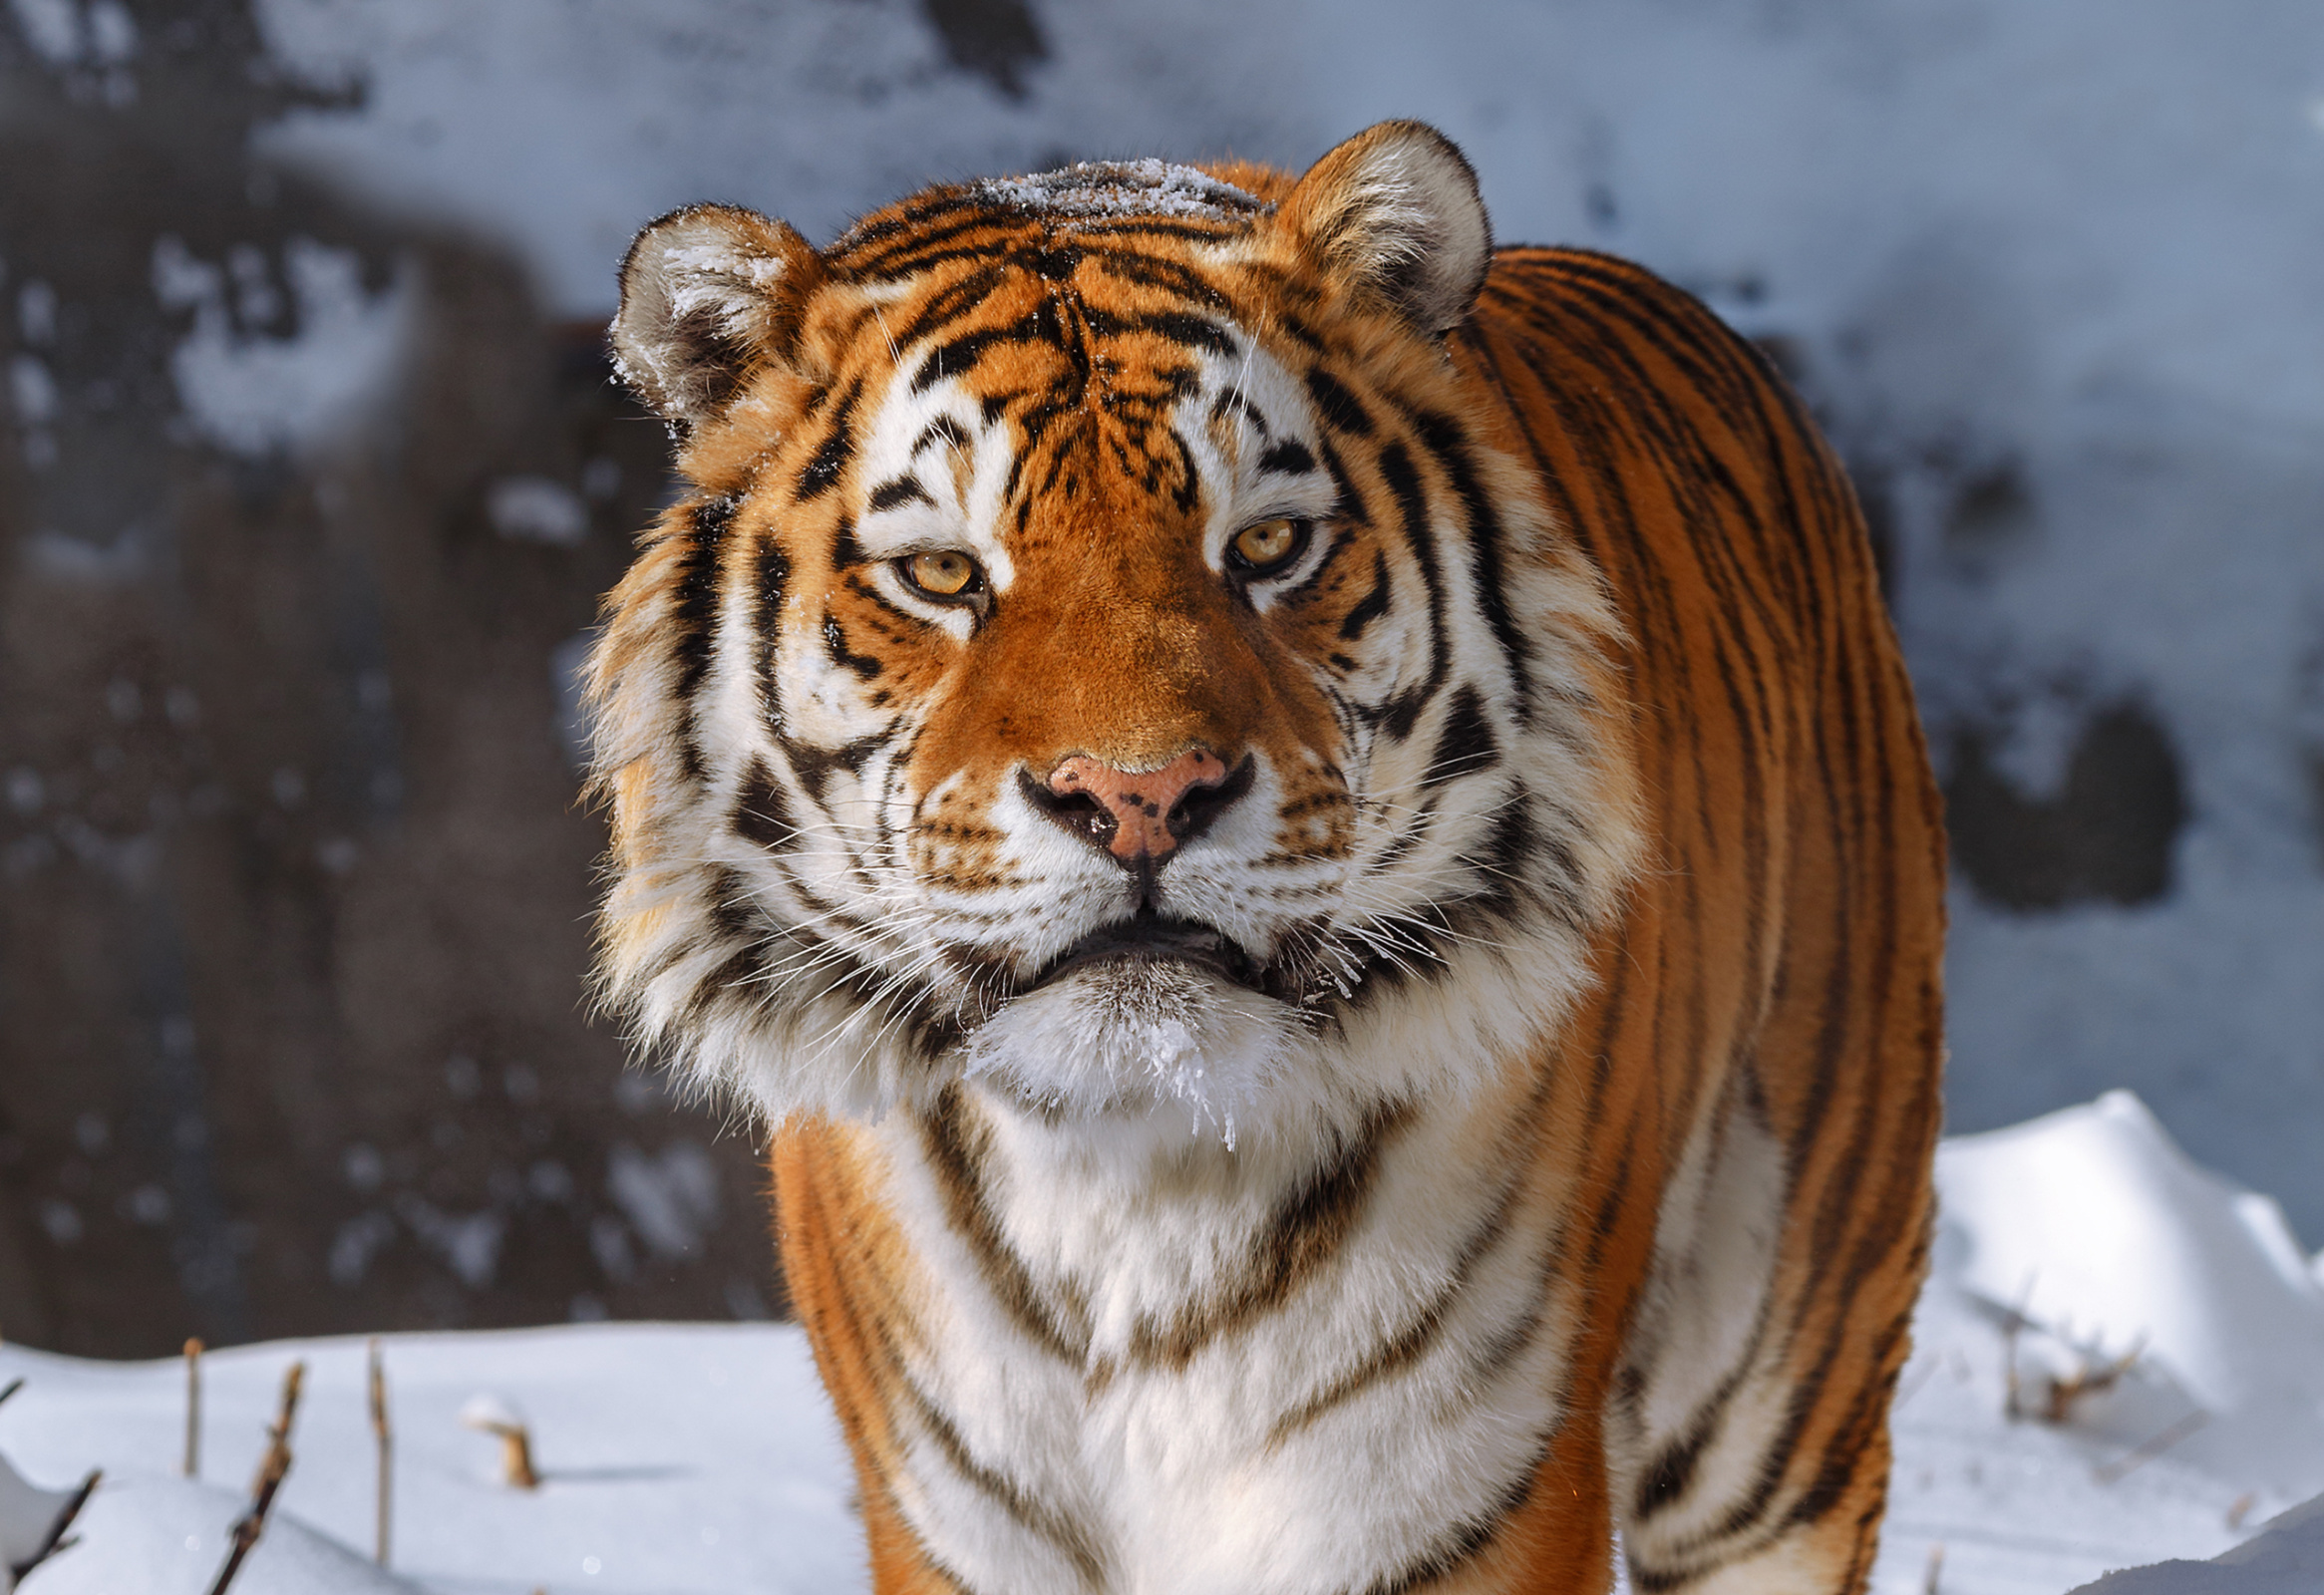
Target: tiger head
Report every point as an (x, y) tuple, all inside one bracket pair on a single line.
[(1105, 653)]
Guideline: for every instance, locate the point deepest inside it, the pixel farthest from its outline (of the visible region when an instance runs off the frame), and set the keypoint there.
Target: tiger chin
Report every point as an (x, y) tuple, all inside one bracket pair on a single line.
[(1312, 840)]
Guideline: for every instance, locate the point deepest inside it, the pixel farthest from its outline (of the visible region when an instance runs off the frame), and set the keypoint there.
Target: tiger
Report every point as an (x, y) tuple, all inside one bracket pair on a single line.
[(1311, 840)]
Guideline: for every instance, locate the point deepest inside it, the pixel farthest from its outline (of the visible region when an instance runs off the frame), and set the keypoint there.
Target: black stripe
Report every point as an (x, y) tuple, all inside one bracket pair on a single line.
[(814, 764), (943, 429), (1422, 1332), (836, 645), (902, 491), (1179, 327), (955, 1154), (762, 812), (1349, 504), (1467, 1539), (1488, 575), (958, 357), (1373, 604), (1069, 1539), (1156, 271), (1404, 482), (836, 448), (1465, 745), (1305, 1232), (1189, 492), (1288, 459), (773, 575), (694, 621), (1342, 410), (1307, 585), (696, 618), (948, 304), (730, 902)]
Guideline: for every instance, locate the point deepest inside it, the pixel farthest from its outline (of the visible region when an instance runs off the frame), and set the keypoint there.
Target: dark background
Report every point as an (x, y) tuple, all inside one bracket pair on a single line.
[(294, 883), (294, 915)]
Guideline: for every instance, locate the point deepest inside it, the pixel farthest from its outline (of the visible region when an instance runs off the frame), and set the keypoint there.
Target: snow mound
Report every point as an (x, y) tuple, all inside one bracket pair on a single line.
[(676, 1459), (2094, 1227), (2286, 1559), (162, 1534)]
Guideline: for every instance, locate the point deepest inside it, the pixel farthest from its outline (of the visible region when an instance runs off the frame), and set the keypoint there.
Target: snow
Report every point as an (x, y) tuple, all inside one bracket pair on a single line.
[(29, 1517), (2287, 1559), (253, 390), (670, 1200), (1121, 187), (690, 1458), (536, 509), (168, 1535), (2065, 1245), (704, 1460), (2203, 1280)]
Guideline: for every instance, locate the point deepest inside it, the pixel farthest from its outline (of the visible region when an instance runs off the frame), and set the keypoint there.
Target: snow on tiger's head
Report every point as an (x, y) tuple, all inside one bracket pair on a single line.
[(1102, 655)]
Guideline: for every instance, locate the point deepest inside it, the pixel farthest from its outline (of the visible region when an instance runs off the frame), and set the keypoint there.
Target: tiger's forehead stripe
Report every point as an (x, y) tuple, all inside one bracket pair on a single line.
[(963, 224)]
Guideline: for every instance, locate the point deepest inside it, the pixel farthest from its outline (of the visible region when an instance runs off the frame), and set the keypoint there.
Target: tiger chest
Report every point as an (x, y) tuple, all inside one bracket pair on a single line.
[(1165, 1365)]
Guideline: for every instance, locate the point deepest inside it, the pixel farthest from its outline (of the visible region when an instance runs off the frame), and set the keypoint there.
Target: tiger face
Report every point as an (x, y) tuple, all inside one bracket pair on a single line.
[(1101, 658)]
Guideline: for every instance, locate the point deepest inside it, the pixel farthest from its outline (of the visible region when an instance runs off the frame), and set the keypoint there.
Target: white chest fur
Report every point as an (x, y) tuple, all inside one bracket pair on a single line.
[(1149, 1363)]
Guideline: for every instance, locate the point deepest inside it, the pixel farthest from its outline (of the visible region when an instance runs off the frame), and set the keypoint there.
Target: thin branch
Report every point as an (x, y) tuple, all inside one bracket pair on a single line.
[(2091, 1379), (383, 1436), (56, 1540), (192, 1468), (2148, 1449), (271, 1469)]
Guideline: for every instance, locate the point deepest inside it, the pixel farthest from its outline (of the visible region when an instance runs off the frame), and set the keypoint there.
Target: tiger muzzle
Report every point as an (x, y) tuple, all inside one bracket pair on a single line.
[(1149, 935)]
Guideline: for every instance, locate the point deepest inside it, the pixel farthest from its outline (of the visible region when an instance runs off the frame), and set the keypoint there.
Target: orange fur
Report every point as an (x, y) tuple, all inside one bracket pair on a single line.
[(1773, 960)]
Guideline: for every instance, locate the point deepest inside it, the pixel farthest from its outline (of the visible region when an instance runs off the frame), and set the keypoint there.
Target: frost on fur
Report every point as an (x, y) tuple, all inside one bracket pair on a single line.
[(1141, 1034), (708, 293)]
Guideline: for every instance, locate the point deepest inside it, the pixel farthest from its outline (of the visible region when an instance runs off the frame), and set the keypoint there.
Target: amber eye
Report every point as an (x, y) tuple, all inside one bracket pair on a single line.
[(1269, 546), (942, 573)]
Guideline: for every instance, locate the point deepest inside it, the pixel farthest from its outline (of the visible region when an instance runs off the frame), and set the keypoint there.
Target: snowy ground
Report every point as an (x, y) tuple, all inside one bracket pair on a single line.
[(687, 1459)]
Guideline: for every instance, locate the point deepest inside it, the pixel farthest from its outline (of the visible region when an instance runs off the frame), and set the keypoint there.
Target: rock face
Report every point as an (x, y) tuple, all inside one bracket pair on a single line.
[(298, 502), (300, 514)]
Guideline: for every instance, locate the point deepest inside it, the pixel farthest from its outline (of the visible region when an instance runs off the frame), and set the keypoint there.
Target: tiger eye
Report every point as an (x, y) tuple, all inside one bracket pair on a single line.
[(942, 573), (1270, 542)]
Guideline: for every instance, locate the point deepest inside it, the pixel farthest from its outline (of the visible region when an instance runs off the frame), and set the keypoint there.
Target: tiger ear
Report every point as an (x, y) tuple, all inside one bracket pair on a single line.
[(708, 295), (1396, 208)]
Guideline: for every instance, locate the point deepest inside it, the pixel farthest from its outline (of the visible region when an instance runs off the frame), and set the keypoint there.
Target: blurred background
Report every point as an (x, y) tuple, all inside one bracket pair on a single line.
[(311, 474)]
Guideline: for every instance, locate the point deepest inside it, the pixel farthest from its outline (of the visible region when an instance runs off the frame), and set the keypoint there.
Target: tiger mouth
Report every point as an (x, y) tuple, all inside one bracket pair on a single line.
[(1148, 935)]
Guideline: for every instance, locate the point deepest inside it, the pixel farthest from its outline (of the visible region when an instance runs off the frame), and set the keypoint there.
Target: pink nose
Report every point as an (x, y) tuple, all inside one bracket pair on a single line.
[(1149, 807)]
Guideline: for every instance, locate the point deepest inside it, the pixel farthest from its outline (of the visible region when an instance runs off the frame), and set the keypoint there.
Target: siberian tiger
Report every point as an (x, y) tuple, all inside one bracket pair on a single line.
[(1314, 842)]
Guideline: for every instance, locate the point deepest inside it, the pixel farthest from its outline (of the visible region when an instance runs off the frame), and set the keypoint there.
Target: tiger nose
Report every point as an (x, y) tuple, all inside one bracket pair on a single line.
[(1142, 814)]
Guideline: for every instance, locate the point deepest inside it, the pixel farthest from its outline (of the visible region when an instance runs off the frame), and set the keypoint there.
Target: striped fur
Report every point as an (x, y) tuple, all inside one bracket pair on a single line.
[(1504, 1118)]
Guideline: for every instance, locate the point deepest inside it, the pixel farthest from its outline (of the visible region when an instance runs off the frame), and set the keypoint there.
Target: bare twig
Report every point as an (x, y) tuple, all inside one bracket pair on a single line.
[(2013, 1325), (1936, 1569), (12, 1388), (2145, 1453), (1907, 1388), (56, 1540), (192, 1465), (2011, 1408), (2242, 1509), (272, 1469), (2091, 1379), (384, 1438), (490, 1416)]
